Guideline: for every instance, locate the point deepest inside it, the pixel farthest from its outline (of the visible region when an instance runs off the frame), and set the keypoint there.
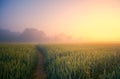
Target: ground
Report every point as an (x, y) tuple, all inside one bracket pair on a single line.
[(40, 73)]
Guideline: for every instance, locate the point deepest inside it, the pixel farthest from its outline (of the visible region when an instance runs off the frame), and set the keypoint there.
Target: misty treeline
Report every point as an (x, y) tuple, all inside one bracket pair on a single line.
[(31, 35)]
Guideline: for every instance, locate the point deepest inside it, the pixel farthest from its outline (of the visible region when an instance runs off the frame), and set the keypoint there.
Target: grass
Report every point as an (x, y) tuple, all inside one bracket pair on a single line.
[(17, 61), (81, 62)]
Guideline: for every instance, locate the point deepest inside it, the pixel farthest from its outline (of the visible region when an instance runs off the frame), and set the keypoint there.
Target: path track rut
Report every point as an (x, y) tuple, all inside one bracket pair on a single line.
[(40, 73)]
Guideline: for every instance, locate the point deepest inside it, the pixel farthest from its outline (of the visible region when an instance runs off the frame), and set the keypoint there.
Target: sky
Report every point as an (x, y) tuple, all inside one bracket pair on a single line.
[(89, 20)]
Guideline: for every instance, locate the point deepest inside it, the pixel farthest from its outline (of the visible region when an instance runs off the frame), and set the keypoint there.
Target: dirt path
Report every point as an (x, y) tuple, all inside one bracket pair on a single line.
[(40, 73)]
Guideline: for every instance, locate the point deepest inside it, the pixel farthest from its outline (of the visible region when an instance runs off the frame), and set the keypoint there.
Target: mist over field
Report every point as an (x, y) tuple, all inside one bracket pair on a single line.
[(31, 35), (63, 21)]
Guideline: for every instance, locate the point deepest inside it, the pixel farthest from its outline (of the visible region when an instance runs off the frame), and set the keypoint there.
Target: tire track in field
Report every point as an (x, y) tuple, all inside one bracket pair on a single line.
[(40, 73)]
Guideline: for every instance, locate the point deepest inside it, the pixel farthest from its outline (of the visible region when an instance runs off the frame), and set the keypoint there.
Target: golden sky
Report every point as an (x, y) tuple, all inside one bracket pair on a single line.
[(88, 20), (93, 21)]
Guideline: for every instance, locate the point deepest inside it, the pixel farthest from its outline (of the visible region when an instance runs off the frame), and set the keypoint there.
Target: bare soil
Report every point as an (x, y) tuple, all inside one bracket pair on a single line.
[(40, 73)]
